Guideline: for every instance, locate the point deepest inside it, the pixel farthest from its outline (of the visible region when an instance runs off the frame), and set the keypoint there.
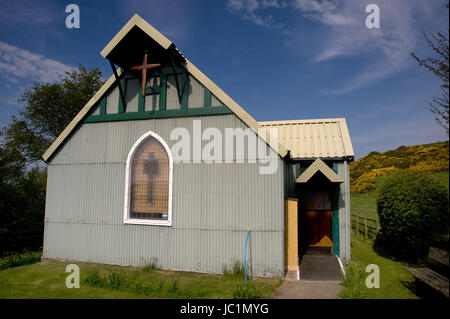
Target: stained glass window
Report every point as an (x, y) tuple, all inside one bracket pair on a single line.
[(149, 181)]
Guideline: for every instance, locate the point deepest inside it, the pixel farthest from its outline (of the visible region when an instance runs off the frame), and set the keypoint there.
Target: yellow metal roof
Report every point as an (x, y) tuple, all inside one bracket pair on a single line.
[(319, 138)]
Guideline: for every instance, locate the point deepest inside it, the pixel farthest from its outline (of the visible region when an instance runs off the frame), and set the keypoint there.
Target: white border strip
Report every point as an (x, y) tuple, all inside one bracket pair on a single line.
[(342, 266), (126, 218)]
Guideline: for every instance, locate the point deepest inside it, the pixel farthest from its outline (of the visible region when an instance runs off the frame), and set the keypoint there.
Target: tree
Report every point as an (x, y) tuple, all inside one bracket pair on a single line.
[(438, 66), (414, 212), (49, 108)]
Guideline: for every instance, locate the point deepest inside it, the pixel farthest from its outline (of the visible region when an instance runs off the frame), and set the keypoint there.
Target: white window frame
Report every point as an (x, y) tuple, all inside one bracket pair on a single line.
[(127, 206)]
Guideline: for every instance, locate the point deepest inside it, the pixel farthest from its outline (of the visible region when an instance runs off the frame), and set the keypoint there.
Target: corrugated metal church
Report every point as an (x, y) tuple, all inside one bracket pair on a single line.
[(122, 191)]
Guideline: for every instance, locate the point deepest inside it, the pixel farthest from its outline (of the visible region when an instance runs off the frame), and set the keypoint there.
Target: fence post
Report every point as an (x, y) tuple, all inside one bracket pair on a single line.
[(365, 226), (357, 224)]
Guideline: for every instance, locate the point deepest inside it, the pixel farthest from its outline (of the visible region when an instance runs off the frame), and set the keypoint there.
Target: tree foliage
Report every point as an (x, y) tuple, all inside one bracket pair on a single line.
[(48, 109), (439, 43), (414, 212)]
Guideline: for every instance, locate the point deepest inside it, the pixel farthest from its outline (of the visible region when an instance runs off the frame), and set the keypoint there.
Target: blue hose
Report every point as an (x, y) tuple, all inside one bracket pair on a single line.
[(245, 257)]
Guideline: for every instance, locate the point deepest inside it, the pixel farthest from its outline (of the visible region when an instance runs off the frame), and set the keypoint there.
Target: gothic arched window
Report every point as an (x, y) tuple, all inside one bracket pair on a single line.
[(148, 188)]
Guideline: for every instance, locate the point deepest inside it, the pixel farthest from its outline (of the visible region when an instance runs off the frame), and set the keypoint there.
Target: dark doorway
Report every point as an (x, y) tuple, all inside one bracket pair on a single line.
[(316, 203)]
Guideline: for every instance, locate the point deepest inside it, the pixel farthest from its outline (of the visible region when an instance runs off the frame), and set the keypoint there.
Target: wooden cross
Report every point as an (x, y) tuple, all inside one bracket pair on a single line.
[(144, 68)]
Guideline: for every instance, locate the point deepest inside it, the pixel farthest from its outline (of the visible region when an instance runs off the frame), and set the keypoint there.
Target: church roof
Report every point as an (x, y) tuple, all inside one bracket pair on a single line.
[(310, 139)]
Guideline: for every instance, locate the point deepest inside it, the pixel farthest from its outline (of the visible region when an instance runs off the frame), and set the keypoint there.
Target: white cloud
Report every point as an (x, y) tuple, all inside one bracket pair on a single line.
[(252, 10), (17, 63), (342, 32), (328, 12)]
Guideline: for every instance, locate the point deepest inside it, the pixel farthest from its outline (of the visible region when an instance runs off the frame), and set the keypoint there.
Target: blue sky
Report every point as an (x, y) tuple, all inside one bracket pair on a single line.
[(279, 59)]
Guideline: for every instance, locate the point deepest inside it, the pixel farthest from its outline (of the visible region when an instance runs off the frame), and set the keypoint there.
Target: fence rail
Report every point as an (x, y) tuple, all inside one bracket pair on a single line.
[(365, 225)]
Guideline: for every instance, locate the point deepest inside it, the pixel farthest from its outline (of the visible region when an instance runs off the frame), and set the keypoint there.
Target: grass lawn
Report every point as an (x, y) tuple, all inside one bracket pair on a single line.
[(46, 279), (395, 281)]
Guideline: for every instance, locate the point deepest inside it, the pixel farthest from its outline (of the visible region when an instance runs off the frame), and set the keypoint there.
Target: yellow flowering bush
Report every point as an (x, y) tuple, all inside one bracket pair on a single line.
[(416, 158)]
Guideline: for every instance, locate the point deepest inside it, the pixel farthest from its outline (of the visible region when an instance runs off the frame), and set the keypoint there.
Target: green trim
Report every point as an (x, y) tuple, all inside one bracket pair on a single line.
[(122, 84), (297, 170), (141, 99), (103, 105), (163, 91), (207, 97), (199, 111), (183, 102)]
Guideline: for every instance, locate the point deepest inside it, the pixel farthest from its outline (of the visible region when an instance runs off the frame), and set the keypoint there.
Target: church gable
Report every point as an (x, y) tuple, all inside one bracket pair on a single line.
[(169, 92), (152, 79)]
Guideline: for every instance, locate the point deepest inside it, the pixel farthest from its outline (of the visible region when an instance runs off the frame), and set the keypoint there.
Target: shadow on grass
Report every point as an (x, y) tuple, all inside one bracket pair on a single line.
[(384, 249)]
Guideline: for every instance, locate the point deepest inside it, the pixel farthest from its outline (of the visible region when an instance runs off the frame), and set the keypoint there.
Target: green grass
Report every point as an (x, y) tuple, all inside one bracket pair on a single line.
[(46, 279), (364, 203), (395, 281)]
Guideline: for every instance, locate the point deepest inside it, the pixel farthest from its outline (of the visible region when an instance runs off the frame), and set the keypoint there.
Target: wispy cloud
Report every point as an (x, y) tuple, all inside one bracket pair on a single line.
[(255, 11), (17, 63), (34, 13), (343, 32)]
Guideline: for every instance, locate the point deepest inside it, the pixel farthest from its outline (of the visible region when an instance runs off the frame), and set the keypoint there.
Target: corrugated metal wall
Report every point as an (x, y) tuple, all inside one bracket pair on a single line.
[(196, 93), (213, 204), (344, 211), (132, 95), (344, 203), (112, 101)]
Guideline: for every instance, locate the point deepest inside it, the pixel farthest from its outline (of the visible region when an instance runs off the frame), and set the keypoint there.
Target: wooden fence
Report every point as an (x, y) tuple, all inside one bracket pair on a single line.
[(367, 226)]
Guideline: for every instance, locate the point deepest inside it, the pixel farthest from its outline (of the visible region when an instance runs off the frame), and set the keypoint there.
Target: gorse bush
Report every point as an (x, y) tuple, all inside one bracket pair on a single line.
[(416, 158), (366, 182), (413, 210)]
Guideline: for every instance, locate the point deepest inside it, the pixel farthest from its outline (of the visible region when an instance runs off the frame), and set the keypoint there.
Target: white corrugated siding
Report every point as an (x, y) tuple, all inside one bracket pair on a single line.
[(213, 204), (112, 101), (215, 101), (196, 93), (132, 95)]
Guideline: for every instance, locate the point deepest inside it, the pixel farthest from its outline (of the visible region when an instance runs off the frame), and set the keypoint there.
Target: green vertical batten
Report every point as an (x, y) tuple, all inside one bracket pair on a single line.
[(123, 86), (335, 219), (103, 106), (297, 170), (183, 102), (162, 91), (207, 97), (141, 100)]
